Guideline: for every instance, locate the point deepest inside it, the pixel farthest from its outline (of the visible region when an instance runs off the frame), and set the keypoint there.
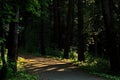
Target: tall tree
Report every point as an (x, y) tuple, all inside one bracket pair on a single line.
[(81, 45), (57, 33), (2, 51), (13, 42), (110, 35), (3, 70), (42, 46), (69, 29)]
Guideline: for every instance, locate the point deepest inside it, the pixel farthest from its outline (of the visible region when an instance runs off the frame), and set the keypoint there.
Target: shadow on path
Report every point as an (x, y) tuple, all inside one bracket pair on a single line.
[(53, 69)]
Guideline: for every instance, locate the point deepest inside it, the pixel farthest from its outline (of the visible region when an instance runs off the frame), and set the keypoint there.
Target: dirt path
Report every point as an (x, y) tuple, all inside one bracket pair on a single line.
[(53, 69)]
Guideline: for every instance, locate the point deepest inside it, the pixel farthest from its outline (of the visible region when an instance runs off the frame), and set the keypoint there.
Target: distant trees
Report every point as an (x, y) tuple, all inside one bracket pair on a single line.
[(111, 35), (61, 25)]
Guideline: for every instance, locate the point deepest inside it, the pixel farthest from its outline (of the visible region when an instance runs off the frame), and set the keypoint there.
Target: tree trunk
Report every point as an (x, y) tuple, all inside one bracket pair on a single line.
[(69, 33), (81, 45), (13, 43), (57, 33), (110, 35), (42, 46), (2, 51)]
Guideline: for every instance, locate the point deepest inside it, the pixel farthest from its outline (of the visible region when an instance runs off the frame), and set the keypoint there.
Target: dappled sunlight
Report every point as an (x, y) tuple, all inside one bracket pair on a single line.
[(44, 64), (50, 69), (53, 69), (20, 62)]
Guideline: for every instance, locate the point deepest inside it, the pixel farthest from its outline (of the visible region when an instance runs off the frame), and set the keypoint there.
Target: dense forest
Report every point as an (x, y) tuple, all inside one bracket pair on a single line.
[(37, 26)]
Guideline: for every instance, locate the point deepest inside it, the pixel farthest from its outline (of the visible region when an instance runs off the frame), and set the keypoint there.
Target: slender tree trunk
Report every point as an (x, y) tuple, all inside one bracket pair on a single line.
[(110, 34), (57, 33), (42, 45), (13, 43), (51, 19), (81, 45), (60, 32), (3, 70), (69, 33)]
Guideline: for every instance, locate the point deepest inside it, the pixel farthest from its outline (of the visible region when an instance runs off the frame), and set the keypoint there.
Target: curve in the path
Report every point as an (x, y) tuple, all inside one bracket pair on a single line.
[(53, 69)]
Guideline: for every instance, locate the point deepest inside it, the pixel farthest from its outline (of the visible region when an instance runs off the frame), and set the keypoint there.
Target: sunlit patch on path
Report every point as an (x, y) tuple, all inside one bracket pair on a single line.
[(53, 69)]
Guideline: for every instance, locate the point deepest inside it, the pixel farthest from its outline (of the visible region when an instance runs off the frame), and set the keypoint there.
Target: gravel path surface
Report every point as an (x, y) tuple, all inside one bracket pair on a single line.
[(53, 69)]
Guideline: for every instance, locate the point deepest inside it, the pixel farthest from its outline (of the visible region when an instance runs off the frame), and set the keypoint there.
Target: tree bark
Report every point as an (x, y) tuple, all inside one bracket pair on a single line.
[(69, 33), (57, 29), (13, 43), (81, 45), (3, 70), (110, 34), (42, 45)]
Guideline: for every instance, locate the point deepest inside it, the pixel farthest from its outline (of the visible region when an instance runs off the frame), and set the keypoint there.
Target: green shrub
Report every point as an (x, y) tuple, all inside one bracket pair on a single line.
[(21, 74), (97, 66)]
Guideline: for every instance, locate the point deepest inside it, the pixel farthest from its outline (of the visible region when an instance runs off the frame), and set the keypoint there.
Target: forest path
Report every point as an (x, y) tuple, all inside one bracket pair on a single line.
[(54, 69)]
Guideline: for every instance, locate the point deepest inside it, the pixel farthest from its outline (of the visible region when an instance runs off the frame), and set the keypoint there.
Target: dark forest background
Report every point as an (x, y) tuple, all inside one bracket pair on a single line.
[(60, 26)]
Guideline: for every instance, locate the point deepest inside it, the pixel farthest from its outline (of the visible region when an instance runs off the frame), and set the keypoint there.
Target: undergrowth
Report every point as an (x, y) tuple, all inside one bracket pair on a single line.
[(21, 74), (97, 66)]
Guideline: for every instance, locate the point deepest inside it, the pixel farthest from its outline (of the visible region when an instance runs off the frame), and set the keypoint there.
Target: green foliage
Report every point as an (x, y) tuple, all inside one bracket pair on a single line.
[(6, 11), (2, 40), (73, 54), (21, 74), (34, 7), (95, 64)]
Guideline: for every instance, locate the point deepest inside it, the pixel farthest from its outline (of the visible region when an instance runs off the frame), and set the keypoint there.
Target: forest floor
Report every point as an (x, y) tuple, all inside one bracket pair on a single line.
[(55, 69)]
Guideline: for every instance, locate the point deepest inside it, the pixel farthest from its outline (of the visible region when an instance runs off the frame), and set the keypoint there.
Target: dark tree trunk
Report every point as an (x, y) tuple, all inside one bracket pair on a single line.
[(69, 33), (13, 43), (110, 35), (81, 45), (3, 70), (57, 33), (42, 45)]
